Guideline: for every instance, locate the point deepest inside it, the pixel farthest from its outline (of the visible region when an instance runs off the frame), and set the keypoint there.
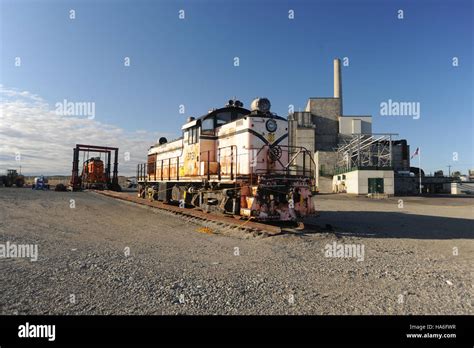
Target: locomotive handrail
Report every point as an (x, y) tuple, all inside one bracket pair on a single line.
[(293, 153), (142, 172), (299, 150), (231, 160), (208, 162), (218, 160)]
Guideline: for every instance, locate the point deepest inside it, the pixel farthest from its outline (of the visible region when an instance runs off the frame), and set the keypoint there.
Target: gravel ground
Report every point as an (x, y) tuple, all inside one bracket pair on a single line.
[(417, 259)]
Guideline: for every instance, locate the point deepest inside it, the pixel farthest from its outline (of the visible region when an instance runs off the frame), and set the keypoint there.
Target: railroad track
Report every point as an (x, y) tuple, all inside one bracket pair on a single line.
[(198, 215)]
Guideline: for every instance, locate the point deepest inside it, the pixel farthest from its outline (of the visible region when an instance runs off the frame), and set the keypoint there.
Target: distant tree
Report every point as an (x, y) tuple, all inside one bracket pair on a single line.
[(456, 174), (439, 173)]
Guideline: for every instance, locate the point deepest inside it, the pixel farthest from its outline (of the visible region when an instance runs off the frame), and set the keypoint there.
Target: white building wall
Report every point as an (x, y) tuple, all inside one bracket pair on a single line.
[(458, 188), (357, 181), (352, 182), (355, 125)]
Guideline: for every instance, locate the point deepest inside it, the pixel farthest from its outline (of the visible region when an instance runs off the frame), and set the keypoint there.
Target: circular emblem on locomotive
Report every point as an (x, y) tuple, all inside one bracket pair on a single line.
[(271, 125), (274, 153)]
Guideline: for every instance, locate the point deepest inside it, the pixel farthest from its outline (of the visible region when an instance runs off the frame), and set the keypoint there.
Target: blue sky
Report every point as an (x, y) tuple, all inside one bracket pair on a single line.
[(191, 62)]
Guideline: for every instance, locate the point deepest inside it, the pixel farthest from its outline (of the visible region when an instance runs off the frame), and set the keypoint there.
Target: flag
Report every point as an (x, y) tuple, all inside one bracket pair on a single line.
[(416, 152)]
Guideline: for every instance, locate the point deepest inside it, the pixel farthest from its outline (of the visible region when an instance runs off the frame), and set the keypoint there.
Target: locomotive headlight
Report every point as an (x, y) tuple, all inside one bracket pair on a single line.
[(271, 125)]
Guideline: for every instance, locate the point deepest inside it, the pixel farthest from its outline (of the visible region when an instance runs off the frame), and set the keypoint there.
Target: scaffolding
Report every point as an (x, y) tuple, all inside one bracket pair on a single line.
[(364, 151)]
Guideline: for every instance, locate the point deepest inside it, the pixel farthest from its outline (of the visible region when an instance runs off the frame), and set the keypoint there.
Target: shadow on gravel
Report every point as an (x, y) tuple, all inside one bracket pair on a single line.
[(394, 225)]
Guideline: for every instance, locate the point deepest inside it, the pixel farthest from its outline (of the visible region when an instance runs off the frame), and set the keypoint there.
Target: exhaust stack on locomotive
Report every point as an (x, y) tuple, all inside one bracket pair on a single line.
[(234, 161)]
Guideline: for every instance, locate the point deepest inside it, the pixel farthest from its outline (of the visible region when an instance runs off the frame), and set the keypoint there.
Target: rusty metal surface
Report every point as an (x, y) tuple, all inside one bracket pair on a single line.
[(228, 220)]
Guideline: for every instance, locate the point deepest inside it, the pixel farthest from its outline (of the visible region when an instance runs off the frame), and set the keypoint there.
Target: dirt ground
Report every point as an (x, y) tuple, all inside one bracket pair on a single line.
[(97, 255)]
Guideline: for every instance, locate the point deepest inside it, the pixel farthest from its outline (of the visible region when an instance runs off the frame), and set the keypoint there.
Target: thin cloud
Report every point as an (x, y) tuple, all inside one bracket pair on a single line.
[(44, 140)]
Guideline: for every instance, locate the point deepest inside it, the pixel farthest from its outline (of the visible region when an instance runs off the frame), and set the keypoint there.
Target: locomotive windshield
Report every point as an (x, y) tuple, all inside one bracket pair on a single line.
[(207, 126), (223, 118), (220, 117)]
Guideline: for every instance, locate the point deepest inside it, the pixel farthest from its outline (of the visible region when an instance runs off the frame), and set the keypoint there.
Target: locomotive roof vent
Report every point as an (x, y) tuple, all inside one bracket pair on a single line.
[(162, 140), (261, 104)]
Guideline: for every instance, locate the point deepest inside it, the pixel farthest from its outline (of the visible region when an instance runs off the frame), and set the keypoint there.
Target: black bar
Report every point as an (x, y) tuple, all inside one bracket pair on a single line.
[(75, 168), (107, 170), (342, 330), (94, 147), (115, 174)]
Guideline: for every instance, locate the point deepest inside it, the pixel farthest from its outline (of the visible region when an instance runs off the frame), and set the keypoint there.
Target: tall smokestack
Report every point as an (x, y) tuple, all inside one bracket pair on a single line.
[(337, 79)]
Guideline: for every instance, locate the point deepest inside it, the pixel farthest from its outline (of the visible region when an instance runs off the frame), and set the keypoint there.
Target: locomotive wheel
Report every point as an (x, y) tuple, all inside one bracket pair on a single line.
[(195, 200), (141, 191), (177, 193), (150, 194), (299, 226)]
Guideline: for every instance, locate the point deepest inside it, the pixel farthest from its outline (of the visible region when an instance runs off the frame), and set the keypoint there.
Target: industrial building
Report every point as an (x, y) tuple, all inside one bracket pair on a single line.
[(348, 156)]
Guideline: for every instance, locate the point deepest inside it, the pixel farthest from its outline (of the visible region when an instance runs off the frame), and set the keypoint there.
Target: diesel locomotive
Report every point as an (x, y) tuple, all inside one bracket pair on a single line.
[(93, 174), (234, 161)]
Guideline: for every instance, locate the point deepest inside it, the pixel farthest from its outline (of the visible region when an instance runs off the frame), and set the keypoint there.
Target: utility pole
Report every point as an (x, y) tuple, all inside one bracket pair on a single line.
[(449, 170), (419, 166)]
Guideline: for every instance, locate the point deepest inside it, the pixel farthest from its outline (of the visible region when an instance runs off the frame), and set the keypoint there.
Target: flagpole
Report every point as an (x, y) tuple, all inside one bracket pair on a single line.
[(419, 166)]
